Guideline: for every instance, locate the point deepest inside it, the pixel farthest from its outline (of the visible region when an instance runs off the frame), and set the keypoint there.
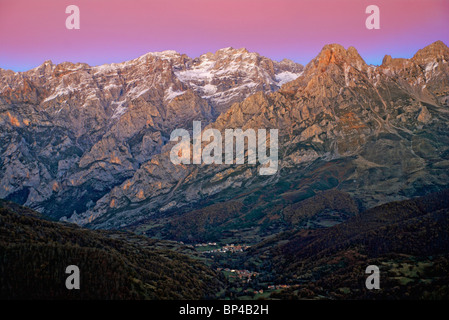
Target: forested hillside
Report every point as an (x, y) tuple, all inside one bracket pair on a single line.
[(34, 254), (408, 240)]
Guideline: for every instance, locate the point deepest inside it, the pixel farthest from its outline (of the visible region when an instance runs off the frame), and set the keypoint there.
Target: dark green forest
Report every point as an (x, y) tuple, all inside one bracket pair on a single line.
[(34, 254), (408, 240)]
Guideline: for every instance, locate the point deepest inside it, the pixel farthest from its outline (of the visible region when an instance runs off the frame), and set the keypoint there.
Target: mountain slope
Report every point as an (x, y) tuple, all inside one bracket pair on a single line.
[(34, 254), (407, 240)]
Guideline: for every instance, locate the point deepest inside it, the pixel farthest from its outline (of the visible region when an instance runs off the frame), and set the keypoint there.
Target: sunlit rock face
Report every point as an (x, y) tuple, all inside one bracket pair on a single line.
[(72, 132)]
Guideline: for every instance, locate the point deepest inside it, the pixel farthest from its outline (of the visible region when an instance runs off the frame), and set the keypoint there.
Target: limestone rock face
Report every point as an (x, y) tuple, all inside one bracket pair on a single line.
[(424, 115), (379, 133), (71, 132)]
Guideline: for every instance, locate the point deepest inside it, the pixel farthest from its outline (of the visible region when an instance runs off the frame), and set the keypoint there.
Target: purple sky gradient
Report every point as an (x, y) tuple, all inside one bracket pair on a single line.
[(118, 30)]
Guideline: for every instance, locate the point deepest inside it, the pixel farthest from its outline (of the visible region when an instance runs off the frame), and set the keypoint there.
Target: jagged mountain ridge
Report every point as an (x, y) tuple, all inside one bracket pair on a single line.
[(72, 131), (377, 132)]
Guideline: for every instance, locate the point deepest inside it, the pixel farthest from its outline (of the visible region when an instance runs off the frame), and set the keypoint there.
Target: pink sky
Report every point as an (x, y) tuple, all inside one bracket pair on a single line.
[(118, 30)]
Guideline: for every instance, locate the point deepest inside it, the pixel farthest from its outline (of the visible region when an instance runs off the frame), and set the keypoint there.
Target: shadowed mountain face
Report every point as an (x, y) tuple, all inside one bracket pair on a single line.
[(375, 133)]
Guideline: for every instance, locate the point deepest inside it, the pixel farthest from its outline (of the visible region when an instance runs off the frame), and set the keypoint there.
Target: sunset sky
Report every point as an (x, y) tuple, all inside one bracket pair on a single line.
[(118, 30)]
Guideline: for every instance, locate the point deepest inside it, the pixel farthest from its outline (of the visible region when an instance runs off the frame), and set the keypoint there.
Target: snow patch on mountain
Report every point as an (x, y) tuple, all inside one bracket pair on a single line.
[(201, 72), (60, 91), (170, 94), (286, 76), (120, 109)]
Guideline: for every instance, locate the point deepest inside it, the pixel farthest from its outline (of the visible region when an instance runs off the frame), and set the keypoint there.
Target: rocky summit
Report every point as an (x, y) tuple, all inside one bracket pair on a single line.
[(90, 144)]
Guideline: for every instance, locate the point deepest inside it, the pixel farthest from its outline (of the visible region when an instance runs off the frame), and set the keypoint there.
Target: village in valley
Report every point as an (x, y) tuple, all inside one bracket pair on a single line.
[(227, 259), (213, 247)]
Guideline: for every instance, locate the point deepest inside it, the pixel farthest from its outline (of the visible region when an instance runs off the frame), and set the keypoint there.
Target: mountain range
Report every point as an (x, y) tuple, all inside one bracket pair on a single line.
[(75, 131), (100, 134), (91, 146)]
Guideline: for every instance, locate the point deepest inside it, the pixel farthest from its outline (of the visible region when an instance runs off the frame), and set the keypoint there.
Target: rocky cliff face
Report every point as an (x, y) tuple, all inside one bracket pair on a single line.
[(71, 132), (377, 132)]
